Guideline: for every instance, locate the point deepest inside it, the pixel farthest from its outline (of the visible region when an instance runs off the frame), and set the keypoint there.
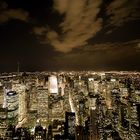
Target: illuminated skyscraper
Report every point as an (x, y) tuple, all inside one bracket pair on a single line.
[(53, 85), (90, 84), (93, 125), (93, 119), (1, 96), (13, 106), (42, 106), (96, 87), (6, 90), (81, 112), (22, 111), (3, 121)]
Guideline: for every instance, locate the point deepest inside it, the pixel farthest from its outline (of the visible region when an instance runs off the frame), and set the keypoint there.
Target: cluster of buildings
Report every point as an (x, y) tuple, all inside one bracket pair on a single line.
[(70, 105)]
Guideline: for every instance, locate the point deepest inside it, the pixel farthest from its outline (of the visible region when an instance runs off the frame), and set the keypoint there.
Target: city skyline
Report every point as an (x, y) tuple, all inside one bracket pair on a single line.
[(54, 35), (70, 105)]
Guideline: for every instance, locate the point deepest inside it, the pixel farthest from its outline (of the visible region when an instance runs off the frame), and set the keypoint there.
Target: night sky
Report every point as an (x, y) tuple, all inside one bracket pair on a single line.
[(44, 35)]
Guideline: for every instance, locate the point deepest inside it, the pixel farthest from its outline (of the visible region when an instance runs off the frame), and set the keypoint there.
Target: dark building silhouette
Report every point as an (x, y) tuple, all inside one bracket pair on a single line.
[(10, 133), (40, 133), (70, 125), (50, 134)]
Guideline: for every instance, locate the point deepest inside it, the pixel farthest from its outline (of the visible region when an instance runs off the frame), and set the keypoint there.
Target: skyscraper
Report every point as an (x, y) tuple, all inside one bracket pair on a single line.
[(42, 106), (13, 106), (53, 85), (22, 110), (70, 125)]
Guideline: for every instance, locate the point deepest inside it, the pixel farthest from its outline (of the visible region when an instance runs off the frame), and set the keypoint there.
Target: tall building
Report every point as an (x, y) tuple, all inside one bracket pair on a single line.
[(33, 98), (80, 133), (108, 96), (3, 121), (138, 113), (81, 113), (40, 133), (42, 106), (90, 84), (92, 104), (53, 85), (6, 89), (10, 132), (22, 111), (70, 125), (123, 121), (12, 106), (50, 134), (96, 87), (93, 120), (1, 96)]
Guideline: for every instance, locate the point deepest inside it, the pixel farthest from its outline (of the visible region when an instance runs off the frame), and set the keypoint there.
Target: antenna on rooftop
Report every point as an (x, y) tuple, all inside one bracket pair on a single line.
[(18, 68)]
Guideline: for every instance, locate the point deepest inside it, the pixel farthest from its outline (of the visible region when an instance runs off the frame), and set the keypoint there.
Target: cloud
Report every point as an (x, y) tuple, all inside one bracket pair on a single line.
[(138, 46), (80, 23), (39, 30), (102, 56), (121, 11), (109, 47), (100, 47), (61, 5), (8, 14)]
